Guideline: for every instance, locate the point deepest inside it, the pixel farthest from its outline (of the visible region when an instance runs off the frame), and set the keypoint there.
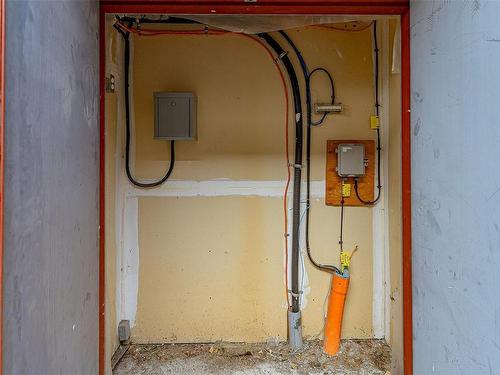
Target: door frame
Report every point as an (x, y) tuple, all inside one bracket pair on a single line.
[(2, 157), (358, 7)]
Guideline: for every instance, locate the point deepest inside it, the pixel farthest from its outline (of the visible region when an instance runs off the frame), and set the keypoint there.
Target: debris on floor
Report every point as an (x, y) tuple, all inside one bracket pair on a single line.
[(356, 357)]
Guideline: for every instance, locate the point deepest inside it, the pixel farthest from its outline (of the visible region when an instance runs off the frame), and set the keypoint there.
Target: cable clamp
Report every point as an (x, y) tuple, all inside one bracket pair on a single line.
[(296, 295), (281, 55), (306, 203), (298, 166)]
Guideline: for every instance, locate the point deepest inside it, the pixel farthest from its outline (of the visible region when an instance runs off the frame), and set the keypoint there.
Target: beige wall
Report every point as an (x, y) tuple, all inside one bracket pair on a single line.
[(240, 101), (211, 268), (222, 279)]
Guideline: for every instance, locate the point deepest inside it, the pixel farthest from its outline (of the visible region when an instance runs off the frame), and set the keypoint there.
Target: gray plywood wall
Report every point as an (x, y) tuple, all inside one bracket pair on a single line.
[(456, 186), (51, 182)]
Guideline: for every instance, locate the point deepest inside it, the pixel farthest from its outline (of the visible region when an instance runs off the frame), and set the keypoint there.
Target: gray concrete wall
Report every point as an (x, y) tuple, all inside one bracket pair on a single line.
[(51, 197), (456, 186)]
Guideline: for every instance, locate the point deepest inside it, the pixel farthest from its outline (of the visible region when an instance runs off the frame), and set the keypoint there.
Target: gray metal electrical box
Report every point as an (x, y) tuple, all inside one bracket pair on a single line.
[(124, 331), (351, 160), (175, 115)]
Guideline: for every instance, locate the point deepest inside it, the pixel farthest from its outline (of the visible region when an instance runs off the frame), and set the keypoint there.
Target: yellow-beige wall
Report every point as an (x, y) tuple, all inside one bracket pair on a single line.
[(211, 268)]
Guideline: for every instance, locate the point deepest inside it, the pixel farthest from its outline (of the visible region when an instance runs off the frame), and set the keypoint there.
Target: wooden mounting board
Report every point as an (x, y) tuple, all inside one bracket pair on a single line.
[(366, 185)]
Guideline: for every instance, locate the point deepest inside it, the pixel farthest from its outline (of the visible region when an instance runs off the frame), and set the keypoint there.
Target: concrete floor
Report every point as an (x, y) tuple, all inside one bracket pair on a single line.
[(357, 357)]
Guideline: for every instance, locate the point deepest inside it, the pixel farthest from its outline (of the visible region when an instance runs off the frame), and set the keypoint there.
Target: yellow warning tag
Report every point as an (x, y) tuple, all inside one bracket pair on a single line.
[(346, 190), (345, 258), (374, 122)]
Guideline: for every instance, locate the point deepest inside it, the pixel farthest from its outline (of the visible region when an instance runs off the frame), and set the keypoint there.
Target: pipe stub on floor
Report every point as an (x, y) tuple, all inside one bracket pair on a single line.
[(295, 330)]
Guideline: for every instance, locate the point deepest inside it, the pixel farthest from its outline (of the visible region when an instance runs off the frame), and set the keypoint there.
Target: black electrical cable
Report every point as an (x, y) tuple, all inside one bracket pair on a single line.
[(332, 87), (297, 177), (341, 236), (377, 111), (168, 20), (127, 125), (307, 77), (305, 72)]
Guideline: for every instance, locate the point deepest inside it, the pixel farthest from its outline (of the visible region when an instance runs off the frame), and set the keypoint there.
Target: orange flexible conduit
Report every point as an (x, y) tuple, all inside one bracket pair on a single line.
[(336, 301)]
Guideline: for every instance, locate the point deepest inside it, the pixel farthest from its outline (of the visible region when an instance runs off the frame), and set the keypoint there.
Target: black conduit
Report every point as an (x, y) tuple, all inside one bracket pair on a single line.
[(297, 176), (307, 79), (127, 125), (377, 111)]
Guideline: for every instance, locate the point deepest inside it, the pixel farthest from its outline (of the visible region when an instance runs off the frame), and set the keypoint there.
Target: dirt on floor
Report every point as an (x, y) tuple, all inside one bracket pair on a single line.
[(356, 357)]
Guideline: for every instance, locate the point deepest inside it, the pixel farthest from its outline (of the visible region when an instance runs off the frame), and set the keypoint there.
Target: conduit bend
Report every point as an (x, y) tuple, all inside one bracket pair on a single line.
[(310, 123), (126, 34), (297, 167), (282, 55)]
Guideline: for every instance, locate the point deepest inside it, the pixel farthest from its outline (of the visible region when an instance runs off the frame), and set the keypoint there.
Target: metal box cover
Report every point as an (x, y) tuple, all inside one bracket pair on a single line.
[(175, 115), (351, 160)]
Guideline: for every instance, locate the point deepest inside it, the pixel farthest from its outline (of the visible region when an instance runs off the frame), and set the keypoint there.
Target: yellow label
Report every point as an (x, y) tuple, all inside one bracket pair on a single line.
[(374, 122), (345, 258), (346, 190)]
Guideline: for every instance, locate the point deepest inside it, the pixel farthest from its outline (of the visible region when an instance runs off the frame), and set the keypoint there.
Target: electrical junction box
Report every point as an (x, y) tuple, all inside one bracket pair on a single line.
[(175, 116), (337, 187), (124, 331), (351, 160)]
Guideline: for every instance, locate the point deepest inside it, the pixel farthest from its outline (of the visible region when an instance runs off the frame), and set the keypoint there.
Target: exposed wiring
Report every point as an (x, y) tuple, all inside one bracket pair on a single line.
[(287, 185), (297, 166), (307, 76), (126, 29), (341, 236), (128, 171), (332, 91), (336, 28), (287, 153), (160, 19), (377, 111), (155, 32)]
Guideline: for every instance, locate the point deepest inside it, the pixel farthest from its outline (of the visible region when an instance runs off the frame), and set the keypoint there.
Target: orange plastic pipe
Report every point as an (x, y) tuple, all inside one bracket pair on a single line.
[(336, 301)]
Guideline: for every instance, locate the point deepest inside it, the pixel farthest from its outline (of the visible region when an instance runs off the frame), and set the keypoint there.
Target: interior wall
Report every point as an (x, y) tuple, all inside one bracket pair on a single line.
[(50, 260), (220, 260), (455, 186), (209, 251)]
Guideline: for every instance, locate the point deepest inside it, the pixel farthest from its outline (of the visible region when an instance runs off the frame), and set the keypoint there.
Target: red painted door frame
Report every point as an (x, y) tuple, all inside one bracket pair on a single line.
[(2, 153), (379, 7)]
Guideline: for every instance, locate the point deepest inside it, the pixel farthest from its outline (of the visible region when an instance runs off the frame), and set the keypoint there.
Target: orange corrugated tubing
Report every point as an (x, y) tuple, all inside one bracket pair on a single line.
[(336, 301)]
